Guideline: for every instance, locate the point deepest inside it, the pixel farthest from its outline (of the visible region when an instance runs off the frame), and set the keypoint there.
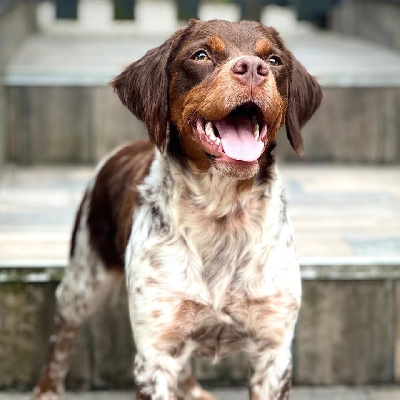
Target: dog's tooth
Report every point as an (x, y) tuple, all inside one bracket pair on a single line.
[(210, 131), (257, 135), (255, 128), (256, 131), (218, 141)]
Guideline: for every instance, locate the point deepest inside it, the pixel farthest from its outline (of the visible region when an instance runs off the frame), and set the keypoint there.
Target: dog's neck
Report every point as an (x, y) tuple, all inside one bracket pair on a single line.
[(212, 193)]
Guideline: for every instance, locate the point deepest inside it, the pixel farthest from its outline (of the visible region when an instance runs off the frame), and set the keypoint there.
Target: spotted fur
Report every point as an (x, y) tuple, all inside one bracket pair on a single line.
[(204, 241)]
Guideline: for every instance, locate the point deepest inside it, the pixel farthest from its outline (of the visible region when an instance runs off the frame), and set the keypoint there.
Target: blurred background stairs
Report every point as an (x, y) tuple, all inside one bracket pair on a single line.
[(58, 116)]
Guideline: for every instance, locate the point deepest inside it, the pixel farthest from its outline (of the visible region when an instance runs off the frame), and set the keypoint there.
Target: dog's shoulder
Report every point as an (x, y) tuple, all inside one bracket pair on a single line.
[(111, 199)]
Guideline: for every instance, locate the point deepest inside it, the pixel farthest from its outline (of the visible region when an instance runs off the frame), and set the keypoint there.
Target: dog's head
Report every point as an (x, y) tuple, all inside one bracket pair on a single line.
[(216, 93)]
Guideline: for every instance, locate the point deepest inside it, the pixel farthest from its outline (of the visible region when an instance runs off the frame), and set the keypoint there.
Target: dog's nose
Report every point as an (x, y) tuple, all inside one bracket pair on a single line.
[(250, 70)]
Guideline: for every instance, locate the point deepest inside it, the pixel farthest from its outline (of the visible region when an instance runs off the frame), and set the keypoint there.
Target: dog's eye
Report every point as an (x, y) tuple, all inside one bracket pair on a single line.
[(275, 61), (201, 56)]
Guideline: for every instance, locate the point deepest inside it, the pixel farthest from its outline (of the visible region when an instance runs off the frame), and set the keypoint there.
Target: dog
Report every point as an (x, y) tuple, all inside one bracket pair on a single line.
[(195, 218)]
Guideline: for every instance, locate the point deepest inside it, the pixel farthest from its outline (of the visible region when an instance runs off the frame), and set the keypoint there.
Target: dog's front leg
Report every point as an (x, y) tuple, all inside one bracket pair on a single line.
[(162, 321), (156, 376), (272, 375)]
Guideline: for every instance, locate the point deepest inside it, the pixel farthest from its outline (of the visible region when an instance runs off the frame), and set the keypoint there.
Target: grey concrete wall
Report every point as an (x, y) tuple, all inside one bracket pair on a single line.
[(346, 334), (81, 124), (16, 22), (377, 21)]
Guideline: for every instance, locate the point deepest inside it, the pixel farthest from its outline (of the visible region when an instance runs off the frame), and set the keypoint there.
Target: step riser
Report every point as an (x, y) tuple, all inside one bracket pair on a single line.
[(346, 334), (16, 23), (81, 124), (357, 17)]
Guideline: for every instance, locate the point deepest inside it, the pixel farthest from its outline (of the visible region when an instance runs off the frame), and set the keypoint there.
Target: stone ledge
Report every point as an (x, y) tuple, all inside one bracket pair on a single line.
[(312, 268), (351, 268), (65, 60), (340, 323), (241, 393)]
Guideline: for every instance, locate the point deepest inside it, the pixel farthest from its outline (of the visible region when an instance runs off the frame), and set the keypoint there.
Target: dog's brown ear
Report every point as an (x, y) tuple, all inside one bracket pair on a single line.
[(143, 88), (305, 95)]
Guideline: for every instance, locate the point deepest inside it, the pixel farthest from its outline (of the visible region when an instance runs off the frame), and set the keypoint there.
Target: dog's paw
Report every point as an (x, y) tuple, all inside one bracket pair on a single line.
[(198, 393), (39, 394)]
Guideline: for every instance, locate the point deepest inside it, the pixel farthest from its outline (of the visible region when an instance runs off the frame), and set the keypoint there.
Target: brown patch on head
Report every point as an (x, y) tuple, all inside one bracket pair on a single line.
[(216, 44), (262, 47)]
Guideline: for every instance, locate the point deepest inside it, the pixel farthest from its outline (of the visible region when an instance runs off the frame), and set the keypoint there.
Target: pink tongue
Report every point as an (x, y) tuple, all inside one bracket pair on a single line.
[(238, 140)]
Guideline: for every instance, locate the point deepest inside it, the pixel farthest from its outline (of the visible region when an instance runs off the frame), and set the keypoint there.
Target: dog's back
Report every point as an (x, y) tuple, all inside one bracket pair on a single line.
[(110, 202)]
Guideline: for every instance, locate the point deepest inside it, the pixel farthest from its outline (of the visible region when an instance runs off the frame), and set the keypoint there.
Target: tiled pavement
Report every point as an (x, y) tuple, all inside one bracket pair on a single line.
[(337, 211), (303, 393)]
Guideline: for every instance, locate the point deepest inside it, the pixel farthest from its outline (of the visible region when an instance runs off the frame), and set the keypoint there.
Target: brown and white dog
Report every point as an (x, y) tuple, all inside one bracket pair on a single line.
[(197, 217)]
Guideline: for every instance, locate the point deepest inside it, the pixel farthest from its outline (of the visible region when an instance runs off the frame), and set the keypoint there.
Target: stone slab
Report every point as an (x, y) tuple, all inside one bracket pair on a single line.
[(49, 125), (337, 211), (357, 17), (397, 338), (93, 60), (390, 393), (298, 393), (357, 121), (25, 325), (345, 333), (340, 323), (111, 123), (16, 23)]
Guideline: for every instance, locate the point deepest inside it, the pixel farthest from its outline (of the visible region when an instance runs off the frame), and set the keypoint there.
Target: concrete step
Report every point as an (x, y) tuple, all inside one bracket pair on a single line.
[(339, 212), (60, 108), (298, 393), (347, 222)]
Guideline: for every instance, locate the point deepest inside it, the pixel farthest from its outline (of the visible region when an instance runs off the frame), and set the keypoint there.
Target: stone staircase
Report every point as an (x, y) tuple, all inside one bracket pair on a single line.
[(357, 122), (60, 110), (347, 223)]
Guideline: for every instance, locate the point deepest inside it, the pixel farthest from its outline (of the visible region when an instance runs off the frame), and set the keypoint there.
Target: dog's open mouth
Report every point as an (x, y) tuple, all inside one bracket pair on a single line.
[(239, 136)]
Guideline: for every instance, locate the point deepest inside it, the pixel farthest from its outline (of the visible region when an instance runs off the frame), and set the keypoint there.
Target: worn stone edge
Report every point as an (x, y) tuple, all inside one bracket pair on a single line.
[(350, 268), (32, 271), (312, 268), (12, 79)]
